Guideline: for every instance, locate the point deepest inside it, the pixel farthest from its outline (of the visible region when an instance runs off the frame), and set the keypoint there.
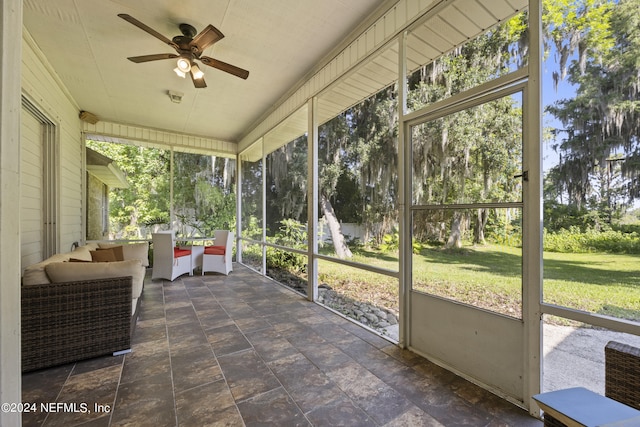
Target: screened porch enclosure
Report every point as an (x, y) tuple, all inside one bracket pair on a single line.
[(405, 205), (418, 181), (446, 183)]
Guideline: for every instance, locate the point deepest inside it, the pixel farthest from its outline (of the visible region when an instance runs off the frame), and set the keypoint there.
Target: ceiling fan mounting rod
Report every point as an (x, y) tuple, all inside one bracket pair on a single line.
[(188, 30)]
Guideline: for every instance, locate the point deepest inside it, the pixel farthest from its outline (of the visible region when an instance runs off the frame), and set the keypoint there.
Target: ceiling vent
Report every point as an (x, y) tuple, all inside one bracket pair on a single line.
[(176, 96)]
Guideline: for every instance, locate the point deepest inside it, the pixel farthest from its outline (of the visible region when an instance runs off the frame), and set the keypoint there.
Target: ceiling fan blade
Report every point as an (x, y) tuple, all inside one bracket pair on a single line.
[(206, 38), (147, 29), (231, 69), (156, 57), (198, 83)]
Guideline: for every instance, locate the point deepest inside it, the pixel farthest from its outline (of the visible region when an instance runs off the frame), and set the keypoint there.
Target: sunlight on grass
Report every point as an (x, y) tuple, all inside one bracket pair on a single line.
[(489, 277), (598, 283)]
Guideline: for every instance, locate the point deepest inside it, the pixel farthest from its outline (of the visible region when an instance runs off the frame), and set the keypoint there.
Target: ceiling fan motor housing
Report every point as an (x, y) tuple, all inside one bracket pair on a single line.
[(188, 30)]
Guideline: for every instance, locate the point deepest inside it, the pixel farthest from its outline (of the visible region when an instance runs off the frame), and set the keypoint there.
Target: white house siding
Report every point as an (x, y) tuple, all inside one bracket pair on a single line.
[(42, 87)]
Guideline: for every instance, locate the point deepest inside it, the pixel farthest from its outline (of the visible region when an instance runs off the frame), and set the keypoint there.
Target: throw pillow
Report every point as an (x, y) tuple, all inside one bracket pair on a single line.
[(118, 251), (132, 251), (104, 255)]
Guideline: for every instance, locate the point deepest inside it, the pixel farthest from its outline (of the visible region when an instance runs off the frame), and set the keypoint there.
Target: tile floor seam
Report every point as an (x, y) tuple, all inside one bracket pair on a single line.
[(173, 385), (324, 372), (57, 398), (267, 366), (213, 351), (347, 395), (115, 395)]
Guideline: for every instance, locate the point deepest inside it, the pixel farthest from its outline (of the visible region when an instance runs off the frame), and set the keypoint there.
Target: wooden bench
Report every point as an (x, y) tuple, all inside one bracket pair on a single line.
[(620, 407)]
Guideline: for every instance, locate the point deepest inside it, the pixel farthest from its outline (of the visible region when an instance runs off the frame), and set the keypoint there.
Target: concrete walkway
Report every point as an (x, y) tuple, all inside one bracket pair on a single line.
[(574, 357)]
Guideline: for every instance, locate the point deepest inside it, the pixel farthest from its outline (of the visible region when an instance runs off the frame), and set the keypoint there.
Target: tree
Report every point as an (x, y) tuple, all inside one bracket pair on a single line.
[(358, 153), (146, 201), (602, 121), (252, 174), (470, 156), (286, 184), (333, 139), (203, 193)]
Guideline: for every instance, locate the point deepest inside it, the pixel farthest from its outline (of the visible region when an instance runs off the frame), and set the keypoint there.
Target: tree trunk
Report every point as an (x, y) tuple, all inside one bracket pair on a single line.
[(481, 220), (342, 250), (455, 237)]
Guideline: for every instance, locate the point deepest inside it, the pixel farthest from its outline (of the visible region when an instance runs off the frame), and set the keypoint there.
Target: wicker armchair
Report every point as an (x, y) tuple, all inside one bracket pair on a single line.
[(622, 372), (71, 321), (622, 377)]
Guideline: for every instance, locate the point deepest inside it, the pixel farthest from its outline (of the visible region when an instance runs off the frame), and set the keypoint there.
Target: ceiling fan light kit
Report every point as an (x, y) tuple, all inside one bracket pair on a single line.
[(184, 65), (196, 72), (189, 47)]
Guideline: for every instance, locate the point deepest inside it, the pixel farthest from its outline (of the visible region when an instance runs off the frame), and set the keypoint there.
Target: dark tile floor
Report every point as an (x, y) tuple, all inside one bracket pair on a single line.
[(243, 350)]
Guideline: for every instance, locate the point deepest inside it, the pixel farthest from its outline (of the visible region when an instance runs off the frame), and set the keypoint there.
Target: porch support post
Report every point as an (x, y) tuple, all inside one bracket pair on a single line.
[(10, 110), (312, 200), (239, 230), (532, 217), (404, 195), (263, 207)]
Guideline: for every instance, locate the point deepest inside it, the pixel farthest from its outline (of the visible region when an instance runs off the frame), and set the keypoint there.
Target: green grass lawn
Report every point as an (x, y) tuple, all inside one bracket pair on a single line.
[(484, 276), (599, 283), (490, 277)]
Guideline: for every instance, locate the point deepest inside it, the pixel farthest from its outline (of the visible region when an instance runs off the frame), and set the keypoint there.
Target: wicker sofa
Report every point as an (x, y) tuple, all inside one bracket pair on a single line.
[(74, 310), (622, 377)]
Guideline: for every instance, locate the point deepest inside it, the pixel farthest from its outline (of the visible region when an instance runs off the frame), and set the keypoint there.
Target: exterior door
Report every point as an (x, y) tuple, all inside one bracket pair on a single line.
[(468, 179)]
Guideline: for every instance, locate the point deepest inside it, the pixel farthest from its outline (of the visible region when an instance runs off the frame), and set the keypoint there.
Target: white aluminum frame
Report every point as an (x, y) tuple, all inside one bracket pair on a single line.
[(528, 81)]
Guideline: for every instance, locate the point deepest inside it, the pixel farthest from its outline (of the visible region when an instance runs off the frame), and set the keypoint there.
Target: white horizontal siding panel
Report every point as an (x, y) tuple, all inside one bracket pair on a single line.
[(475, 11), (389, 24), (453, 36), (402, 10), (425, 35), (413, 8), (117, 132), (370, 41), (460, 21), (343, 66), (500, 9), (419, 53)]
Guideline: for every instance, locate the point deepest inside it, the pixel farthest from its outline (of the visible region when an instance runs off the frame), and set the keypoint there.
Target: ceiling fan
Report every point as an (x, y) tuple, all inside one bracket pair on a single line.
[(189, 47)]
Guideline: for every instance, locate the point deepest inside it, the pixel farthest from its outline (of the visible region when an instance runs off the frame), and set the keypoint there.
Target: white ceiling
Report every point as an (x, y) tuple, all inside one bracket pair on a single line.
[(278, 41)]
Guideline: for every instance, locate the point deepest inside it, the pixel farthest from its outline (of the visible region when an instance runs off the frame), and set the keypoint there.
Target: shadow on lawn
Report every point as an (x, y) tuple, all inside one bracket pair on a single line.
[(510, 265), (619, 312)]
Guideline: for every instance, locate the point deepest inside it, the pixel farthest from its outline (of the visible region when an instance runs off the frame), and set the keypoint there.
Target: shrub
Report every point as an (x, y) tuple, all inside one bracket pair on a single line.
[(573, 240), (391, 243), (284, 260), (292, 234)]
